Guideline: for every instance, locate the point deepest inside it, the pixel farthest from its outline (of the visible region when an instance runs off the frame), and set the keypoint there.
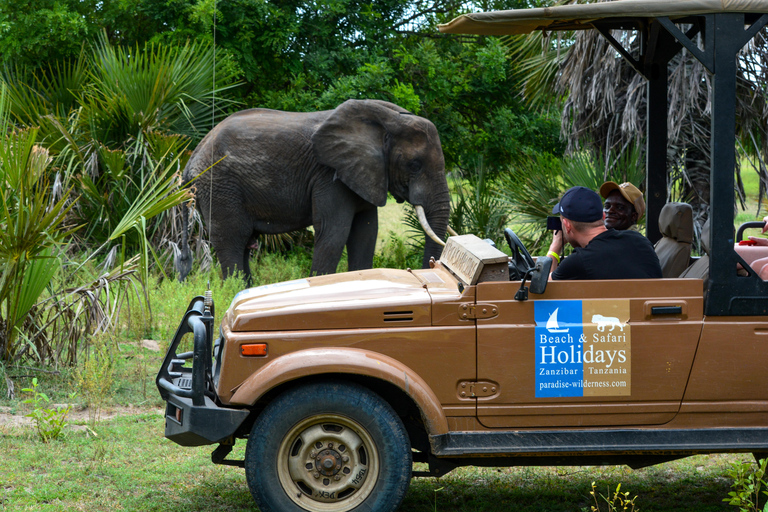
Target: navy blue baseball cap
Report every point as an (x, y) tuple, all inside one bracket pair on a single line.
[(580, 204)]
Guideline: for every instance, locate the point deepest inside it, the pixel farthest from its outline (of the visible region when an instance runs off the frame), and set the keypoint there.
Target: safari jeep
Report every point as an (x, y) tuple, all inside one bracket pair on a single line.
[(340, 382)]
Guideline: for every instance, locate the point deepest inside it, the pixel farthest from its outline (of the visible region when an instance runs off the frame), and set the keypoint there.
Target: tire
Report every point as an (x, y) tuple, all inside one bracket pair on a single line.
[(328, 446)]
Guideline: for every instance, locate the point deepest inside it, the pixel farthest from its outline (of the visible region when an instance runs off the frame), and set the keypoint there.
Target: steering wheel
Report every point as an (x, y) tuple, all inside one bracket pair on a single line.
[(521, 258)]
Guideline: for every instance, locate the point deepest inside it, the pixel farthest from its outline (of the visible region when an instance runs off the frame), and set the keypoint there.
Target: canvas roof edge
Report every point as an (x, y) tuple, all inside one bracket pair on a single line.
[(581, 16)]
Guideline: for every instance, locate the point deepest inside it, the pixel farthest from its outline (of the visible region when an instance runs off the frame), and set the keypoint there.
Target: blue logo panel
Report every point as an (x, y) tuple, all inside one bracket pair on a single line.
[(559, 348)]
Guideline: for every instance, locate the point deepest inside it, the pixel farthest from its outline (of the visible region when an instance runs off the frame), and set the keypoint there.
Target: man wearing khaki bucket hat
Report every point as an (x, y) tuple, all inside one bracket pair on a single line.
[(624, 204)]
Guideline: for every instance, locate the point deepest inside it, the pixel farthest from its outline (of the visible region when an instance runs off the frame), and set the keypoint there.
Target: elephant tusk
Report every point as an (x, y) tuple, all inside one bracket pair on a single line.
[(424, 224), (452, 232)]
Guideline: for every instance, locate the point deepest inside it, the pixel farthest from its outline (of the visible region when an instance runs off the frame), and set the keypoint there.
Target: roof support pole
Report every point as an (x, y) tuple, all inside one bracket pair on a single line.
[(728, 293), (728, 40), (656, 152), (659, 50)]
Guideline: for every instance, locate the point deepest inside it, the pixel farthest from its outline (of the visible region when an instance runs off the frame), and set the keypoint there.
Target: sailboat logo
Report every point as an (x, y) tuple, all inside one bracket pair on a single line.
[(552, 325)]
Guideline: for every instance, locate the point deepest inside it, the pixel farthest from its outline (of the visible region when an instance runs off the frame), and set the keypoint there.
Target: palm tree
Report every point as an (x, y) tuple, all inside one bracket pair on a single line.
[(604, 102), (96, 144), (121, 114), (31, 227)]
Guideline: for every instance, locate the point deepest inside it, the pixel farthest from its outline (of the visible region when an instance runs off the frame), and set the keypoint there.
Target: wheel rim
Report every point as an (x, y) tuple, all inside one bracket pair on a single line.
[(328, 463)]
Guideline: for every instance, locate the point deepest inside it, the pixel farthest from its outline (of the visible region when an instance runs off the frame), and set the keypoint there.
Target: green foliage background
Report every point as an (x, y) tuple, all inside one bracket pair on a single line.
[(304, 55)]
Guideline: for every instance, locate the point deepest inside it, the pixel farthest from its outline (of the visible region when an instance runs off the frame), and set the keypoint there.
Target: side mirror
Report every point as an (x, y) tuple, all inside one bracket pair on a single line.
[(540, 274)]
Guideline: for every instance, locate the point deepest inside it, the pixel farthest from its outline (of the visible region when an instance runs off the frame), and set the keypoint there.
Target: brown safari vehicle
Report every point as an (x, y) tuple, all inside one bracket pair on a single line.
[(340, 382)]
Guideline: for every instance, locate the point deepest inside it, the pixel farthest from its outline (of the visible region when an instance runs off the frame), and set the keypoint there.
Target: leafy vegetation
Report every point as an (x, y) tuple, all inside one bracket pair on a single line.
[(50, 421), (749, 485), (304, 55), (603, 103), (31, 229), (31, 233), (95, 377), (91, 153), (477, 206), (613, 501), (118, 122)]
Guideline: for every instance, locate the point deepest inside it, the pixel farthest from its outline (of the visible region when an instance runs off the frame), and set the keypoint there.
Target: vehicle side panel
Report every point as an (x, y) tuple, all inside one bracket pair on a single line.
[(659, 351), (442, 356), (729, 381)]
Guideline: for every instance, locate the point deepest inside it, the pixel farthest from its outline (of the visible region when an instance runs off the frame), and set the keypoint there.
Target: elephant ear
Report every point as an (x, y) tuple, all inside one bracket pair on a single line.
[(353, 141)]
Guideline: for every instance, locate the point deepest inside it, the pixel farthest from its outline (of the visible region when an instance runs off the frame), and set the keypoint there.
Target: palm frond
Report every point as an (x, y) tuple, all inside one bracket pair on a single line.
[(528, 192), (31, 228), (476, 207)]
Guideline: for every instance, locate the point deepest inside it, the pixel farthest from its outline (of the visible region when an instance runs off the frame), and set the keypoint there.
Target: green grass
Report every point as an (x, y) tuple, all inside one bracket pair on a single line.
[(124, 463), (693, 484)]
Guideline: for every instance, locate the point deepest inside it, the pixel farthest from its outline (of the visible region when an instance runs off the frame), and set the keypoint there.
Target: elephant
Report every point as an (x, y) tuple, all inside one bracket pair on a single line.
[(269, 171)]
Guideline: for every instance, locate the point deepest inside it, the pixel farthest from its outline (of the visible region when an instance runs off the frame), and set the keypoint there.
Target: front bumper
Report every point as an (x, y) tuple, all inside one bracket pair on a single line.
[(192, 417)]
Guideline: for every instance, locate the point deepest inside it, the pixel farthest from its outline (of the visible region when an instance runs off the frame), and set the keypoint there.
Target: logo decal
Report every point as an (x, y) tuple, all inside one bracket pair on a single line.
[(583, 348), (552, 325)]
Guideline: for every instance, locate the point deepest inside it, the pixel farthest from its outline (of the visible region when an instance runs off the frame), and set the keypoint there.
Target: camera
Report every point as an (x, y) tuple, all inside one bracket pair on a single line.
[(554, 224)]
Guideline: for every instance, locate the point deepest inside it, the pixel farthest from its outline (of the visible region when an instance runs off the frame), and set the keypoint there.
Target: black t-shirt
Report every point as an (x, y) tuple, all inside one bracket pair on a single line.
[(612, 255)]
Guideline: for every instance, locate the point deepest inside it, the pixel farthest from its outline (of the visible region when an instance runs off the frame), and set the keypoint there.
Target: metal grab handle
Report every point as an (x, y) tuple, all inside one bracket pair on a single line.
[(172, 388), (747, 225)]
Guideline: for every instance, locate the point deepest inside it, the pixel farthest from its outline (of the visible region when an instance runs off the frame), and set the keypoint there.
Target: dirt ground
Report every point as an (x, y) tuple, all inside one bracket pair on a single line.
[(77, 418), (10, 418)]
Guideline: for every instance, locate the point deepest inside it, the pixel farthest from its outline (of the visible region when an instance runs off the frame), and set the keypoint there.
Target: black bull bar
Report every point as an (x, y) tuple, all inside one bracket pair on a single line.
[(192, 417)]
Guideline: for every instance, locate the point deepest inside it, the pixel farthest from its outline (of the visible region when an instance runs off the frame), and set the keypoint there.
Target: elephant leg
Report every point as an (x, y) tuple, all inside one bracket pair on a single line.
[(330, 238), (333, 210), (247, 267), (232, 251), (361, 243)]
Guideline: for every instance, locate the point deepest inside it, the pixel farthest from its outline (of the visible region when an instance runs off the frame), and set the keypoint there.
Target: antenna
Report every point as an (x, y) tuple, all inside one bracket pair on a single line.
[(208, 293), (213, 123)]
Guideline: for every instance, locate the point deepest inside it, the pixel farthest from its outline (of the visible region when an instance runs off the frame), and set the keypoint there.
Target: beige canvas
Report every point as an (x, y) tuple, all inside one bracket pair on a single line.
[(573, 17)]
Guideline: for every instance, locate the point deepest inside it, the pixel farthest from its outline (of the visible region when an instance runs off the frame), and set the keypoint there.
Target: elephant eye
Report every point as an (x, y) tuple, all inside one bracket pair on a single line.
[(414, 166)]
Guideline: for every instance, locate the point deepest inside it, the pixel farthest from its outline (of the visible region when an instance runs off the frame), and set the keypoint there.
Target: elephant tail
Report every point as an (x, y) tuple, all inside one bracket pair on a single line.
[(182, 257)]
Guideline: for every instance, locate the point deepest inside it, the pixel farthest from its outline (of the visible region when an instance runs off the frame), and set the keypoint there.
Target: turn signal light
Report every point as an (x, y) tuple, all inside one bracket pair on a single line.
[(254, 349)]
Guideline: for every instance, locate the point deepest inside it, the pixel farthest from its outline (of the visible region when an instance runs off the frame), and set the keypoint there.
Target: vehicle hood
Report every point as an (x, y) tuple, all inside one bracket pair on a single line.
[(364, 299)]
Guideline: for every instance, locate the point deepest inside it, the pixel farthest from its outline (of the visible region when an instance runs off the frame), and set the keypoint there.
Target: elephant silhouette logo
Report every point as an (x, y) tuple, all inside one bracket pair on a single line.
[(605, 321)]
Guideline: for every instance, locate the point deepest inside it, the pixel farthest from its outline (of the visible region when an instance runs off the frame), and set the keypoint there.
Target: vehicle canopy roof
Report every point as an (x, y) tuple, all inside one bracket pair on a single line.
[(582, 16), (665, 28)]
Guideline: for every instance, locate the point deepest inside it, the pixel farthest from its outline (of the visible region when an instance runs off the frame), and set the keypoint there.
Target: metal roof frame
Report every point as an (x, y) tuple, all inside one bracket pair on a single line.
[(725, 26)]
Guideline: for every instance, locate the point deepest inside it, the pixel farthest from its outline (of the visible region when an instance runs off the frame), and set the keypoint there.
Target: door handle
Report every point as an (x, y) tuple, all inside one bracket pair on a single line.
[(667, 310)]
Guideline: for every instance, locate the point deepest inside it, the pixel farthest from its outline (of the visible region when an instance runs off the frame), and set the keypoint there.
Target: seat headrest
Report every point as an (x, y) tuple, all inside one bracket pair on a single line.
[(676, 221)]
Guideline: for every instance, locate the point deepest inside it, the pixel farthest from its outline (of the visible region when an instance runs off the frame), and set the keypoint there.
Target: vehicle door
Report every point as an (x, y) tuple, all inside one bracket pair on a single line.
[(587, 353)]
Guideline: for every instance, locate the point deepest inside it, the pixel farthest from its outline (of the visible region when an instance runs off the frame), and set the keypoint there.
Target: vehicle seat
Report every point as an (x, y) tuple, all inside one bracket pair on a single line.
[(674, 249), (700, 268)]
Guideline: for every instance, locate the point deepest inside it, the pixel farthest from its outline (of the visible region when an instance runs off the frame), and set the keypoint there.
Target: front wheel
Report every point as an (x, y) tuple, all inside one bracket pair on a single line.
[(330, 446)]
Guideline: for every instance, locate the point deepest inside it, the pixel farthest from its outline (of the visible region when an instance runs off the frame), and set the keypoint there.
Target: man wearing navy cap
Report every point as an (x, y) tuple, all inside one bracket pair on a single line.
[(599, 252)]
